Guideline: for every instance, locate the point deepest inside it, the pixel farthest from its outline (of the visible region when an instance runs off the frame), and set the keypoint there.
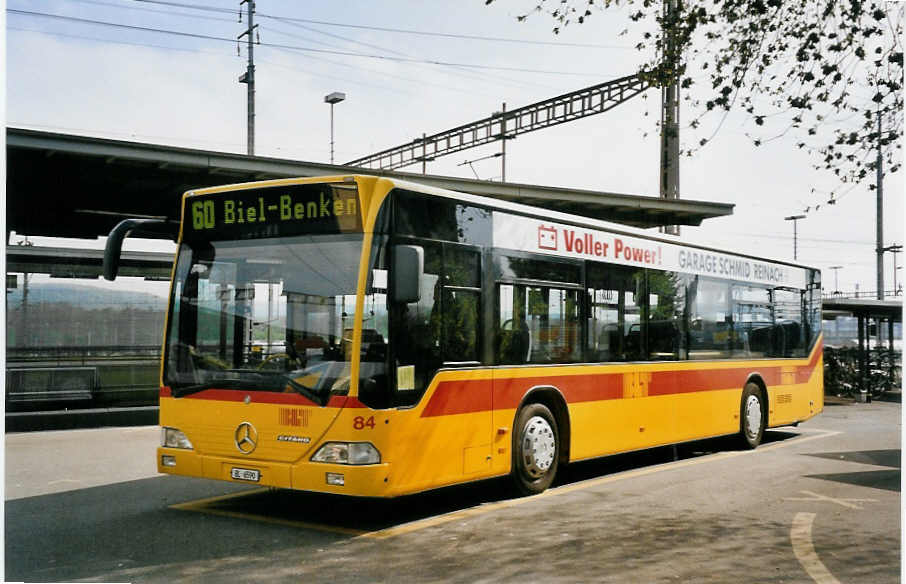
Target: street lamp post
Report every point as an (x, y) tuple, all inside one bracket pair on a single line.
[(795, 219), (333, 98)]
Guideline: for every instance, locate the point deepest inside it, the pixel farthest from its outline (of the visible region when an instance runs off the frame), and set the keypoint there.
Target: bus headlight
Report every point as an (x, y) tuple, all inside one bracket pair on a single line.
[(347, 453), (173, 438)]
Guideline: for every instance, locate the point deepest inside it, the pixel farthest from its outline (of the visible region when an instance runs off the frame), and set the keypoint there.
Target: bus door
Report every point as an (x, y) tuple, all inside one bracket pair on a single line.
[(436, 345)]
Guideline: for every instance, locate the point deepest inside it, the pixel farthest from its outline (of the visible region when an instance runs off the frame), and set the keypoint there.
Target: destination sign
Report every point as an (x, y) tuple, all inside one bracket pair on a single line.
[(275, 211)]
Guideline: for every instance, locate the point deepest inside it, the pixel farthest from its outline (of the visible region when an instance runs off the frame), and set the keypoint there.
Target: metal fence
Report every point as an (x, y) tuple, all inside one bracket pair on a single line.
[(47, 378)]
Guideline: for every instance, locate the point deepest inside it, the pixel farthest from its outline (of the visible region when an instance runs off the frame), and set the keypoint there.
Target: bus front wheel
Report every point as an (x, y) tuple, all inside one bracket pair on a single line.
[(536, 446), (752, 416)]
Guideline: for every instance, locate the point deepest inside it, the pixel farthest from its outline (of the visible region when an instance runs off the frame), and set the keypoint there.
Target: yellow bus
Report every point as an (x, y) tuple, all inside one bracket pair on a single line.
[(373, 337)]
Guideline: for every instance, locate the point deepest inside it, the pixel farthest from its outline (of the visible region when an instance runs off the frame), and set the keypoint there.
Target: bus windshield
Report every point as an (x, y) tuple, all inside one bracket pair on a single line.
[(264, 315)]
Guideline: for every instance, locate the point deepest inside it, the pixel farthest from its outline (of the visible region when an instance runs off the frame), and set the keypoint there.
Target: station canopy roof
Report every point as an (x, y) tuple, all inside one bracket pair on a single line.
[(863, 307), (64, 185)]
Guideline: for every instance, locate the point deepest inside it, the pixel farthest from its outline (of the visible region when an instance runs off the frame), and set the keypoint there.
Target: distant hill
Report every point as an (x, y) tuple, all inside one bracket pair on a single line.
[(87, 297)]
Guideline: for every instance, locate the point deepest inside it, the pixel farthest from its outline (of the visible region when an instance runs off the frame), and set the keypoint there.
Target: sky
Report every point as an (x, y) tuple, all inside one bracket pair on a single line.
[(74, 76)]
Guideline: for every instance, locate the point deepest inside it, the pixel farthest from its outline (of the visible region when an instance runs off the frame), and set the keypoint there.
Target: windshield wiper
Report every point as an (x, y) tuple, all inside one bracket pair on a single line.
[(305, 391)]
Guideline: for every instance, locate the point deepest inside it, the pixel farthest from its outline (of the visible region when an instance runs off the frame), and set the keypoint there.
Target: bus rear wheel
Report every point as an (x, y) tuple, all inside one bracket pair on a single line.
[(536, 447), (752, 416)]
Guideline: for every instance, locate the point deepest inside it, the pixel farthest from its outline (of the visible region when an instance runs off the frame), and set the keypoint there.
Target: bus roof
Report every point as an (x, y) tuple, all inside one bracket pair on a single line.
[(578, 220)]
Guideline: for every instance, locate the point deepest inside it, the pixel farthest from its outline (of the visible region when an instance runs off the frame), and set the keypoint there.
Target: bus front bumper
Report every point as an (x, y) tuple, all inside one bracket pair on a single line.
[(370, 480)]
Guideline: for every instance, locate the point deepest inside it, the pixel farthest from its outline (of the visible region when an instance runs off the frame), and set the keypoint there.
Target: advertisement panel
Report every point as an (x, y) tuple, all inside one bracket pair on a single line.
[(551, 238)]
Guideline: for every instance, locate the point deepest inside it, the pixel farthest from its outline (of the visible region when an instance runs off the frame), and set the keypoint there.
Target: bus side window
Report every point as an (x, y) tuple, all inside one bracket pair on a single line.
[(461, 304), (666, 301), (512, 343), (537, 324), (710, 320), (752, 321), (615, 295), (791, 336)]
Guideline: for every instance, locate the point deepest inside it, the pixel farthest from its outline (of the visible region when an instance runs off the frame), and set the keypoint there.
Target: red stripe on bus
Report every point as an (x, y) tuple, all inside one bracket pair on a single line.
[(575, 388), (479, 395), (469, 396), (459, 397), (674, 382)]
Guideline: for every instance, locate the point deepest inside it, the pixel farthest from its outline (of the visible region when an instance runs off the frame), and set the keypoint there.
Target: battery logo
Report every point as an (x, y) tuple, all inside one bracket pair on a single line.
[(547, 237)]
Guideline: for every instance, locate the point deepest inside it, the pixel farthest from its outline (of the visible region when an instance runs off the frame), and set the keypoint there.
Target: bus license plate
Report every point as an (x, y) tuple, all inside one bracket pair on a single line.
[(245, 474)]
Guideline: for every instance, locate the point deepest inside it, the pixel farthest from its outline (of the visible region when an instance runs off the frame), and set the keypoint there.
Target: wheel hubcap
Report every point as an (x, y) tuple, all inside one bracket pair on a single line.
[(538, 446), (753, 416)]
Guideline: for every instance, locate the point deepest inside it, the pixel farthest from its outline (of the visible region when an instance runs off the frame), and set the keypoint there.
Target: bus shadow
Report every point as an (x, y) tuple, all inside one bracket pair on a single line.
[(617, 463), (353, 516)]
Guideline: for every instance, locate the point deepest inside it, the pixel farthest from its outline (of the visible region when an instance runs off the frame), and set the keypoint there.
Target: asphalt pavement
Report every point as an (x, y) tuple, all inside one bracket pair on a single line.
[(816, 503)]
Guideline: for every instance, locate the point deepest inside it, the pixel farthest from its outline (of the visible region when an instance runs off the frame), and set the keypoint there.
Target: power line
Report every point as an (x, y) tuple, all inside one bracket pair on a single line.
[(476, 75), (192, 6), (466, 74), (153, 11), (118, 25), (116, 42), (353, 81), (455, 35), (298, 48), (285, 20), (402, 30), (813, 239)]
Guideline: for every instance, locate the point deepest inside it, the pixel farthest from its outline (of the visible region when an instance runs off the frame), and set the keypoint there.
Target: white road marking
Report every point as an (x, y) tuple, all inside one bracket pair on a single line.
[(801, 538), (61, 481), (851, 503)]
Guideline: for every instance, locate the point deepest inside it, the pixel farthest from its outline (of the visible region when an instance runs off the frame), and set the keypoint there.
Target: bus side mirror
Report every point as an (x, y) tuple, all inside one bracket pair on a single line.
[(155, 228), (408, 268)]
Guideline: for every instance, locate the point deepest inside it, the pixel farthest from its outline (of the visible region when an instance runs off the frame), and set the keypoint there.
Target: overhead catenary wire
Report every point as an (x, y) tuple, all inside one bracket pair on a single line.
[(304, 49), (477, 75), (154, 11), (392, 89), (399, 30), (481, 76), (801, 238), (352, 81)]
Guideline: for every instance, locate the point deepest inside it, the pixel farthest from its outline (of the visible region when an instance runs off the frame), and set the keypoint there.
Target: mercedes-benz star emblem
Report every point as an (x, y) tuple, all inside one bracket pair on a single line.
[(246, 438)]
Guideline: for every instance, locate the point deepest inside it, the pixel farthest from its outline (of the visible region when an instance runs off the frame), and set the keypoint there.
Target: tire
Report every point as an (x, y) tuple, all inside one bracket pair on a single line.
[(752, 416), (536, 448)]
